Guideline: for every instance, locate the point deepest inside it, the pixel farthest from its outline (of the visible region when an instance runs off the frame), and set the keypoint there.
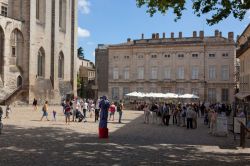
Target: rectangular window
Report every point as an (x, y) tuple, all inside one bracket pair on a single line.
[(125, 91), (225, 72), (195, 73), (212, 95), (211, 55), (4, 10), (195, 91), (225, 55), (180, 73), (224, 95), (140, 89), (212, 72), (194, 55), (140, 73), (180, 55), (115, 93), (167, 73), (60, 13), (115, 73), (126, 73), (154, 73), (180, 91)]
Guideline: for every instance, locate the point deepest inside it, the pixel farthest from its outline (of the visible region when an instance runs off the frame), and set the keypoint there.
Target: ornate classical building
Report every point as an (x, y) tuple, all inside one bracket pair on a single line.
[(201, 65), (243, 53), (38, 49)]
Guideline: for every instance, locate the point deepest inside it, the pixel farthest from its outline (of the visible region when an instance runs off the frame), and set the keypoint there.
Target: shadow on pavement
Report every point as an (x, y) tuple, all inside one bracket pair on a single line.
[(134, 144)]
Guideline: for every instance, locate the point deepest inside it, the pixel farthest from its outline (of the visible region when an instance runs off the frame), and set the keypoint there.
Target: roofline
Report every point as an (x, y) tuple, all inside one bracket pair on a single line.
[(248, 26)]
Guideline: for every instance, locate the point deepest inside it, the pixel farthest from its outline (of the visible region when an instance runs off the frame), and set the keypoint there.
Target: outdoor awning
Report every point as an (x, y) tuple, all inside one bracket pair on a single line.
[(242, 95)]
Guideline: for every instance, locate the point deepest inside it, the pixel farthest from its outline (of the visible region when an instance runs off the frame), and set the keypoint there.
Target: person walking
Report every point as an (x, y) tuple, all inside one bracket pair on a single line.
[(45, 111), (189, 117), (97, 109), (54, 115), (166, 114), (112, 111), (213, 121), (67, 111), (183, 116), (146, 114), (85, 107), (120, 110), (35, 104), (7, 112)]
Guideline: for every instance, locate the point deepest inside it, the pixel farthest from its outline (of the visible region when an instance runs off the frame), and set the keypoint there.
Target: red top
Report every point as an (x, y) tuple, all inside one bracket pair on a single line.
[(112, 108)]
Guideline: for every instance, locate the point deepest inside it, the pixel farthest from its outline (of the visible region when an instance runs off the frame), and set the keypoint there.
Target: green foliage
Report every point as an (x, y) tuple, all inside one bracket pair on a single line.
[(80, 52), (219, 9)]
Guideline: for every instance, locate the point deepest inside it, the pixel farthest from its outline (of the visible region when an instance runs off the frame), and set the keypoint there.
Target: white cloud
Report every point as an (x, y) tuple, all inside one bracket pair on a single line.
[(83, 33), (84, 6), (93, 53)]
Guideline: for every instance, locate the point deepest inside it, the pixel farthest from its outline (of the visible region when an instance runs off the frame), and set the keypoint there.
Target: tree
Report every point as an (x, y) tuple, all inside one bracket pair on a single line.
[(220, 9), (80, 52)]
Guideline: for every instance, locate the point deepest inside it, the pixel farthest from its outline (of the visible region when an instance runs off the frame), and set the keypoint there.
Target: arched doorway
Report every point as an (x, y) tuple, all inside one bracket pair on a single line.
[(19, 81), (1, 52), (16, 48)]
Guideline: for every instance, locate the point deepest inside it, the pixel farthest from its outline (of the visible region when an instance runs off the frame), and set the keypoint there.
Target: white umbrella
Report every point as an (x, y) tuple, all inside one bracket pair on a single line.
[(189, 96), (171, 95), (133, 94)]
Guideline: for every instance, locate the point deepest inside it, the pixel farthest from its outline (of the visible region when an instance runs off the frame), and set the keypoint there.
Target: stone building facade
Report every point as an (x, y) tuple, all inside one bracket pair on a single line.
[(243, 53), (201, 65), (38, 50)]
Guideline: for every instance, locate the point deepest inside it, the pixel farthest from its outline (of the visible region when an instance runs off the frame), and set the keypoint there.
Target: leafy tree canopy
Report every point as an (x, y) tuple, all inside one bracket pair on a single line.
[(220, 9), (80, 52)]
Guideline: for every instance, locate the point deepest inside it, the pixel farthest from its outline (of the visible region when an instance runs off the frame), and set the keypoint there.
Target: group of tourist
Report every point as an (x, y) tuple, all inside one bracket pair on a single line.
[(184, 115), (78, 109)]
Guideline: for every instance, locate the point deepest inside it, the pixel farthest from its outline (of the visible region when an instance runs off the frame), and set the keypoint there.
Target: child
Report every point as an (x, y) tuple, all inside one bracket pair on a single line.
[(54, 115)]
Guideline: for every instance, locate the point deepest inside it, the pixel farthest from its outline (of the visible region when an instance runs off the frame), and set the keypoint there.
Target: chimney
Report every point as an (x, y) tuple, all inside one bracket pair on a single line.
[(194, 34), (128, 40), (201, 34), (163, 35), (142, 36), (172, 35), (153, 36), (180, 35), (231, 36), (157, 36), (216, 33)]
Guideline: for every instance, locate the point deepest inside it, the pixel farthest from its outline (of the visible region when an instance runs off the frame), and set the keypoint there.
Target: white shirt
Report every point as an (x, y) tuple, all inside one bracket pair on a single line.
[(85, 105)]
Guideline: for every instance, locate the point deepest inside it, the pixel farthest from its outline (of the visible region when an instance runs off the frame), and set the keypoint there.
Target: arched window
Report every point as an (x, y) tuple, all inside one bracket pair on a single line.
[(62, 14), (16, 47), (61, 65), (41, 63), (19, 81), (40, 10), (1, 50)]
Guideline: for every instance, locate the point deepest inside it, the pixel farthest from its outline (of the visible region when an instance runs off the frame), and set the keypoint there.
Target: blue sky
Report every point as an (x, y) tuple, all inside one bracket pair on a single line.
[(113, 21)]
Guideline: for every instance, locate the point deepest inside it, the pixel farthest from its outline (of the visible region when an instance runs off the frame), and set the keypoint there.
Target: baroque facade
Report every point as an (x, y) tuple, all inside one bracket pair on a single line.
[(201, 65), (38, 49)]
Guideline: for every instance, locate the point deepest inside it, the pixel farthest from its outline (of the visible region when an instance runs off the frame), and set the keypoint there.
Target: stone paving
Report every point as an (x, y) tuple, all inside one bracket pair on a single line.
[(26, 141)]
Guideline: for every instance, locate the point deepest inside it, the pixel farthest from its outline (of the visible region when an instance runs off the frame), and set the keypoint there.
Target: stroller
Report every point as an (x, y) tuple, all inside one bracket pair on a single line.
[(79, 116)]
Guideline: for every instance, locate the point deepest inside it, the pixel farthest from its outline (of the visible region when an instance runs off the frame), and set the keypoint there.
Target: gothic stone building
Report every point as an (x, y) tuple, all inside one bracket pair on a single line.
[(201, 65), (38, 49)]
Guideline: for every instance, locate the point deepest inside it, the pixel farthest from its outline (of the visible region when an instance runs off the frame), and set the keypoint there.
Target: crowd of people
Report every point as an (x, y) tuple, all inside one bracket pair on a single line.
[(183, 115), (77, 110)]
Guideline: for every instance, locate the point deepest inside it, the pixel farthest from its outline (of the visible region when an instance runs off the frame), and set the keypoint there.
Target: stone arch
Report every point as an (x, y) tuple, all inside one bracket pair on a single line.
[(17, 48), (19, 81), (61, 65), (2, 41), (41, 62)]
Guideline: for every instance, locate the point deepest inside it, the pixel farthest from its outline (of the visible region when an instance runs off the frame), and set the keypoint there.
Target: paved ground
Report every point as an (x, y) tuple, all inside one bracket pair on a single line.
[(26, 141)]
